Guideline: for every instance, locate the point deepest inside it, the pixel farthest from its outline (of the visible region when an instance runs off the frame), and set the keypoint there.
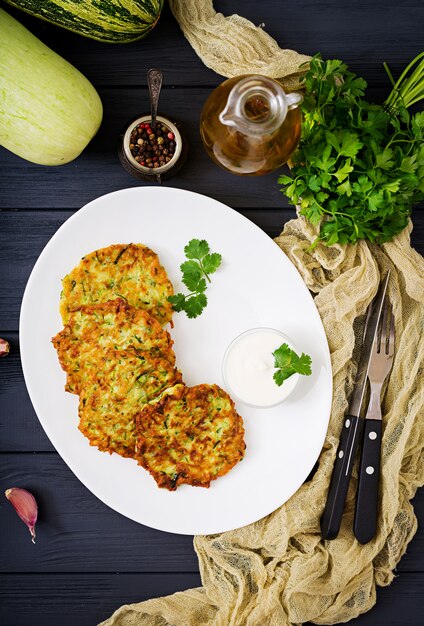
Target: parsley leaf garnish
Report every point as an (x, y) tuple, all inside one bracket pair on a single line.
[(211, 262), (201, 262), (288, 363), (194, 305), (196, 249)]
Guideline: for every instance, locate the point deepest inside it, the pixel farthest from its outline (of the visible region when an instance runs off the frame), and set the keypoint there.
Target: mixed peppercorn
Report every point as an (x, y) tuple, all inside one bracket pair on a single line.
[(152, 147)]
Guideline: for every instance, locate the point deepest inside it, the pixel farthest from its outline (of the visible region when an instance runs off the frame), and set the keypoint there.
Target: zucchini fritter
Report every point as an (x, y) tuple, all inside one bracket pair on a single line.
[(190, 435), (129, 271), (95, 328), (112, 396)]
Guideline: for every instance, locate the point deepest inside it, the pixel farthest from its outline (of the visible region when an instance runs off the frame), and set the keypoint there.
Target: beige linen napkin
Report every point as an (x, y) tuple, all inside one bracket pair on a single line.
[(278, 571), (232, 45)]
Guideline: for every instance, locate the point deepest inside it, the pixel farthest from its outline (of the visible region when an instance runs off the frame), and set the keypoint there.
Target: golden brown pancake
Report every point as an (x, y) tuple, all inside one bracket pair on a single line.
[(131, 272), (125, 381), (191, 435), (95, 328)]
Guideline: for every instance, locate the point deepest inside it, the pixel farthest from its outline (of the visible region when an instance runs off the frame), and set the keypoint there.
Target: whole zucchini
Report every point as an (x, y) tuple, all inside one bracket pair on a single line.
[(113, 21), (49, 111)]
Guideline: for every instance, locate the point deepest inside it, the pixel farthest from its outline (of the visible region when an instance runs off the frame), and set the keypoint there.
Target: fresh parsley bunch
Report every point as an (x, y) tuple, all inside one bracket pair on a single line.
[(359, 167), (201, 262)]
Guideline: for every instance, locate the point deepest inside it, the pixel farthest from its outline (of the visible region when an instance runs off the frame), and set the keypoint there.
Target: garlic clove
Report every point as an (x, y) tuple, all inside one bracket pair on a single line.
[(25, 506), (4, 347)]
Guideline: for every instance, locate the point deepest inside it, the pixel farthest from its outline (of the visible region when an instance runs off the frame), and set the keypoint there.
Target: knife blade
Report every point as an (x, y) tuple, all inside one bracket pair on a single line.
[(373, 318), (353, 424)]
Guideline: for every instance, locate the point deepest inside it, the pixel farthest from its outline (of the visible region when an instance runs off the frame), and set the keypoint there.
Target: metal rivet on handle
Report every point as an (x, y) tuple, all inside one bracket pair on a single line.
[(372, 435), (347, 423), (369, 470), (341, 453)]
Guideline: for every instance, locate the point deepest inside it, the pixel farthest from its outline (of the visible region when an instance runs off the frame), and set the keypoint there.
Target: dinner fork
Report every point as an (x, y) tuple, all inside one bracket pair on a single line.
[(383, 350)]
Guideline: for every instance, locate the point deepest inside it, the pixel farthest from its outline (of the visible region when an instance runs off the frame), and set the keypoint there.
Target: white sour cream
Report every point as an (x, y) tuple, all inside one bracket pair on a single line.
[(248, 368)]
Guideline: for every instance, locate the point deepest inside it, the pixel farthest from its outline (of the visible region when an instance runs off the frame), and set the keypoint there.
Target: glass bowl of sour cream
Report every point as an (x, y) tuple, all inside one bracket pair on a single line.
[(248, 368)]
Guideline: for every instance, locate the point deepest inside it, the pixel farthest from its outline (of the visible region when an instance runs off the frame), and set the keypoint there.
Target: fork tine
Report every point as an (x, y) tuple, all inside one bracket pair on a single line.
[(383, 329), (391, 347)]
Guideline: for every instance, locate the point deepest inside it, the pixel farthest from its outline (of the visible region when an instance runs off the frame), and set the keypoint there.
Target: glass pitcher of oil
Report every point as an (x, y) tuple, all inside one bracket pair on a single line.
[(250, 126)]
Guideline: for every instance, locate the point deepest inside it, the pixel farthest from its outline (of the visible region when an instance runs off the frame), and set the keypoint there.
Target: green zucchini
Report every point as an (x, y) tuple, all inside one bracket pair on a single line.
[(49, 111), (113, 21)]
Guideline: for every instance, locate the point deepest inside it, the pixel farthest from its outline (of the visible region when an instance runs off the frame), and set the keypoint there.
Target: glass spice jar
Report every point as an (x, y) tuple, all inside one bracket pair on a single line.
[(152, 153)]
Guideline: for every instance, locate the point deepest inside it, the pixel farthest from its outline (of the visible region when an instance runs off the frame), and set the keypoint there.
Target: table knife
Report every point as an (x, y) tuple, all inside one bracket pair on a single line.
[(353, 425)]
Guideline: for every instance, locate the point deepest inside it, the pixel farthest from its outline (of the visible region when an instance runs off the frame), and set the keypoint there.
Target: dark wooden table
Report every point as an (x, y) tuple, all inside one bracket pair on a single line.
[(89, 560)]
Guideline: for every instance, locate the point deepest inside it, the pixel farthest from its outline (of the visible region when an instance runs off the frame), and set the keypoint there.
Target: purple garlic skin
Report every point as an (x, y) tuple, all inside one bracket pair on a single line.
[(25, 506), (4, 347)]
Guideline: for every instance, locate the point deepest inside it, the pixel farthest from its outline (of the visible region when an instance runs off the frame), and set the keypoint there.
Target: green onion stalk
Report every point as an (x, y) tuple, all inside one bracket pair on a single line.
[(409, 88)]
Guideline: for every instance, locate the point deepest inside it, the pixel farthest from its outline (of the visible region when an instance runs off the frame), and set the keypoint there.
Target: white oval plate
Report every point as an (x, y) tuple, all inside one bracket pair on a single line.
[(256, 285)]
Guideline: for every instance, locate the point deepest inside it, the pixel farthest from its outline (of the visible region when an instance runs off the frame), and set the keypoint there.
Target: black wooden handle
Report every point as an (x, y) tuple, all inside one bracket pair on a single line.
[(349, 439), (365, 524)]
